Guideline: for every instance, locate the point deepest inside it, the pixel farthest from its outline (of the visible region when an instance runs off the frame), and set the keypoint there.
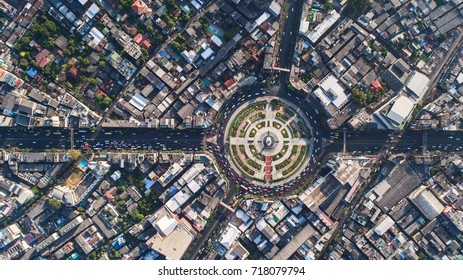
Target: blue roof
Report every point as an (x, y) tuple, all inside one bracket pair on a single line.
[(173, 190), (186, 9), (118, 243), (160, 86), (32, 72), (163, 53), (151, 255)]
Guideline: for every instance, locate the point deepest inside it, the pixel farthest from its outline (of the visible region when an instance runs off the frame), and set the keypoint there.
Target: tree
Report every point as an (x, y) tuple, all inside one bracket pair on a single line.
[(85, 62), (169, 21), (184, 18), (67, 52), (23, 63), (102, 63), (355, 6), (358, 96), (176, 45), (121, 203), (114, 255), (136, 216), (49, 43), (93, 256), (124, 4), (150, 29), (228, 36), (171, 6), (55, 204), (75, 154), (93, 81), (106, 102), (158, 38)]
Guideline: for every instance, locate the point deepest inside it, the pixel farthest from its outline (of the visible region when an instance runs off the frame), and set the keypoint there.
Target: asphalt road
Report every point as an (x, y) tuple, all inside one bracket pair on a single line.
[(288, 38), (109, 139)]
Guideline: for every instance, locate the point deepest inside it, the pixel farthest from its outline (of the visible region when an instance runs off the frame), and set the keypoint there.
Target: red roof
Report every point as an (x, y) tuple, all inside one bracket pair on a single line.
[(37, 46), (43, 62), (376, 85), (100, 93), (109, 196), (18, 83), (228, 83), (138, 6), (138, 38), (146, 44), (73, 72), (41, 58)]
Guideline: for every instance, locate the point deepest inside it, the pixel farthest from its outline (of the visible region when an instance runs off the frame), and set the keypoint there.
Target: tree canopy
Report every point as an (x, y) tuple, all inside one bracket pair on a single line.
[(55, 204)]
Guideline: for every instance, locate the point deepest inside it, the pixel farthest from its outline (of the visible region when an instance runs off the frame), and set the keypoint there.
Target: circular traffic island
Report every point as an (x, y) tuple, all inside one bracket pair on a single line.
[(268, 141)]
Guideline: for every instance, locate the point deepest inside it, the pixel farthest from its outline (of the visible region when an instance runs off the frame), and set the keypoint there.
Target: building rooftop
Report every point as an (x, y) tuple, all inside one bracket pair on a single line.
[(176, 243), (229, 236), (417, 83), (427, 202), (401, 109), (383, 226)]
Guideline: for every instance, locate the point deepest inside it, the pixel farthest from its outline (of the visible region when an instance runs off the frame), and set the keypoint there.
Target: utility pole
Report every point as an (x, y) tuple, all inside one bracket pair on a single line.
[(344, 146), (72, 138), (425, 142)]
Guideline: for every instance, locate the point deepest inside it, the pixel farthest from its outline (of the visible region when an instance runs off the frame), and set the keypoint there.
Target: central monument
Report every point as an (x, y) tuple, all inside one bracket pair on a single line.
[(269, 141)]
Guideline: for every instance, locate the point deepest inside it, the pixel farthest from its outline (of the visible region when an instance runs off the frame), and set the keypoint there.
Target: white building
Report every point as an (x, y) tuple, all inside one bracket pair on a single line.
[(92, 11), (138, 101), (191, 173), (165, 225), (216, 40), (189, 56), (384, 226), (263, 18), (427, 202), (320, 29), (94, 37), (116, 175), (274, 9), (229, 236), (176, 202), (417, 84), (331, 91), (304, 27), (173, 170), (401, 109), (207, 53), (174, 245)]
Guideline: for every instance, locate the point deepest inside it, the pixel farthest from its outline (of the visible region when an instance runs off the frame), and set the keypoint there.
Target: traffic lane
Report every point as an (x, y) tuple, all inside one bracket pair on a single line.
[(289, 31), (23, 133), (137, 144), (146, 133), (38, 139), (35, 144)]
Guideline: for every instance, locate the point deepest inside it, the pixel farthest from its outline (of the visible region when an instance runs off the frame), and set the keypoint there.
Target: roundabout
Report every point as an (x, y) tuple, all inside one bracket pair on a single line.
[(268, 142)]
